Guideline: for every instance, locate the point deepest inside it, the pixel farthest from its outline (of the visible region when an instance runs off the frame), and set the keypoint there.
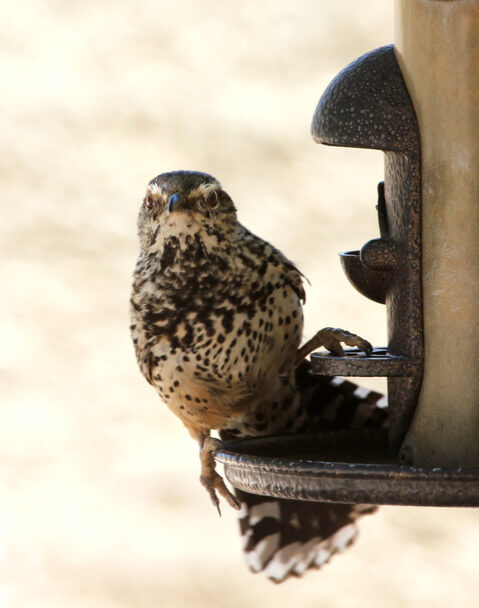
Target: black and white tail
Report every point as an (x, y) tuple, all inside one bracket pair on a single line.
[(283, 538)]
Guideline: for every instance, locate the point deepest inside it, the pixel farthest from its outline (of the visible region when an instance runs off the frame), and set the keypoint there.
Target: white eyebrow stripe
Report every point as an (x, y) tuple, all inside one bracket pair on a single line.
[(204, 189), (154, 191)]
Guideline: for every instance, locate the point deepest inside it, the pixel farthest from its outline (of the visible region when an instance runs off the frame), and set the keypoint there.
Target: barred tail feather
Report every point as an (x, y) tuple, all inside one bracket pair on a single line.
[(331, 403), (284, 538)]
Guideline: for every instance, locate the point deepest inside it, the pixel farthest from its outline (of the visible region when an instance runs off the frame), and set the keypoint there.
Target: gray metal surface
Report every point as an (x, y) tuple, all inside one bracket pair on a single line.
[(367, 105), (344, 467)]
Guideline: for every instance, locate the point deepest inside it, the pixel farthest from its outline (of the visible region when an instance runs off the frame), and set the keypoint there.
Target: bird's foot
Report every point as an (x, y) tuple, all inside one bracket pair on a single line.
[(210, 479), (331, 338)]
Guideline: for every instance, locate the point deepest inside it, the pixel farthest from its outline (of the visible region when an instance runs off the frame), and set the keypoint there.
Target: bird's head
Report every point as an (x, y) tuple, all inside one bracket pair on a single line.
[(182, 203)]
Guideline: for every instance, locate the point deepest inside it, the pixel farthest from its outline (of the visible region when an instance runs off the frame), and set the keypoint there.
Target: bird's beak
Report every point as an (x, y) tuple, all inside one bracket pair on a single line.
[(175, 202)]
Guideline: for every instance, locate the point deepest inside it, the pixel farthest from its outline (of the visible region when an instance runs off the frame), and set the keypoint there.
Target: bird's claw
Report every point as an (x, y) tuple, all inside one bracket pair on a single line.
[(210, 479), (331, 338), (215, 485)]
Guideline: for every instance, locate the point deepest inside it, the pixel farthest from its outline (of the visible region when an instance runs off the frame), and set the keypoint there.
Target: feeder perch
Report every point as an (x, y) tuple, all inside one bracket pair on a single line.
[(423, 267)]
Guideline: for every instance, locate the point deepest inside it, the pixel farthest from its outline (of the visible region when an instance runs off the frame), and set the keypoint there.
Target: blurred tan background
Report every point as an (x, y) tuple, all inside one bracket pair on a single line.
[(100, 505)]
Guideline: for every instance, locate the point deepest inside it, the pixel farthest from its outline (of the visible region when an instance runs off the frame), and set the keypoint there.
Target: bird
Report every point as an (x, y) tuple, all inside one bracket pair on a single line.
[(217, 327)]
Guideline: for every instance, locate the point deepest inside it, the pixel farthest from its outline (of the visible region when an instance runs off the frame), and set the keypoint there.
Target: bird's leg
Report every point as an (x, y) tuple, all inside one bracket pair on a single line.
[(331, 338), (210, 479)]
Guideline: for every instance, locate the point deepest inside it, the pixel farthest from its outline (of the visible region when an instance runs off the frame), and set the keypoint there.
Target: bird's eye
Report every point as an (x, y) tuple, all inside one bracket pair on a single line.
[(149, 203), (212, 199)]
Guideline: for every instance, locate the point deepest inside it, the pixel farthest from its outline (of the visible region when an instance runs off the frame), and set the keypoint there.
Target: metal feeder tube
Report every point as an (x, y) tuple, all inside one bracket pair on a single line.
[(417, 102)]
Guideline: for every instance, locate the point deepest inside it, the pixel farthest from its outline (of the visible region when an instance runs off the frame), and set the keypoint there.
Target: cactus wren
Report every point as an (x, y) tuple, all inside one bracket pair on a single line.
[(216, 320)]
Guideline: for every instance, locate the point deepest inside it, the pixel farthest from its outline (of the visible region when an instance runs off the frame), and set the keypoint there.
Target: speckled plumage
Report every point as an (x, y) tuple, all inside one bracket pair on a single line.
[(216, 321), (216, 311)]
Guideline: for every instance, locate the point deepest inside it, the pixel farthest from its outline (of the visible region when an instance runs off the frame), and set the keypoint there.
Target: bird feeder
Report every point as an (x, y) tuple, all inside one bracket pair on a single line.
[(417, 102)]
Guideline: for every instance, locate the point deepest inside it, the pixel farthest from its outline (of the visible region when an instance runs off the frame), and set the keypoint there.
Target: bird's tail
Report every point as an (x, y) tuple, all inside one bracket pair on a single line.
[(283, 538)]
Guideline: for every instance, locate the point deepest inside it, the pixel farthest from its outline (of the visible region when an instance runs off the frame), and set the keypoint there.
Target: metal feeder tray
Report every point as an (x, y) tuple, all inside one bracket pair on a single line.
[(343, 467)]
